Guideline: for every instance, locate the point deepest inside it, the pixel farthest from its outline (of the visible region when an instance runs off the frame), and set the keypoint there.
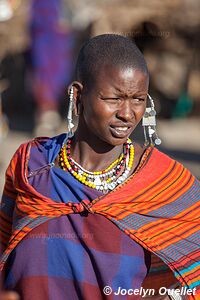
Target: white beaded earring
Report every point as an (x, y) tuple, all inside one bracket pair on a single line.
[(149, 125), (70, 124)]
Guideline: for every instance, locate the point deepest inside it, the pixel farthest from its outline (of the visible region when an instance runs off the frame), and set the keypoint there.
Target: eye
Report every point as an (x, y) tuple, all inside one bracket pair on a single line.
[(138, 99), (111, 98)]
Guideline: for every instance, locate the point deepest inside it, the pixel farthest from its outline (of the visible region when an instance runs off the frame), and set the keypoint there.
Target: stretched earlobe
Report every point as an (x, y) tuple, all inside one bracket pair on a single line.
[(70, 124), (78, 87), (74, 95)]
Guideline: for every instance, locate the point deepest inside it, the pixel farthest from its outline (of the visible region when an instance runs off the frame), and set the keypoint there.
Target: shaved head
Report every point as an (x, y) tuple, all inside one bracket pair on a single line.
[(107, 50)]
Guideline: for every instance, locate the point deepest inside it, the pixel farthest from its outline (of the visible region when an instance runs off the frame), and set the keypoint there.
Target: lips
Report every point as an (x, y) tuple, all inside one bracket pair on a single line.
[(120, 131), (121, 128)]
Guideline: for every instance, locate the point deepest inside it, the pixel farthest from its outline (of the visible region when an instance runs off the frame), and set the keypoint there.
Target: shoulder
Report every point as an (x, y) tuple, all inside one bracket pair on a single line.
[(36, 146), (42, 143), (157, 157), (172, 168), (156, 161)]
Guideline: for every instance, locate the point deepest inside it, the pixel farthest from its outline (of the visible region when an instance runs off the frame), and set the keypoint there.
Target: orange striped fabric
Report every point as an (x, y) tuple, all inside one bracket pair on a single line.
[(158, 206)]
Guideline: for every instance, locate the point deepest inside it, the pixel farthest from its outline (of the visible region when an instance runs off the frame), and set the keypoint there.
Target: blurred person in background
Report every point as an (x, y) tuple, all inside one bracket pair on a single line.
[(51, 56)]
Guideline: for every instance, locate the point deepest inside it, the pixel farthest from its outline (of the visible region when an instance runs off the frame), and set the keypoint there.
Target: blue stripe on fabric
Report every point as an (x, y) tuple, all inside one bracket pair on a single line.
[(29, 222), (173, 250), (194, 284), (191, 286), (20, 222), (183, 202), (167, 211), (183, 245), (38, 221), (189, 268)]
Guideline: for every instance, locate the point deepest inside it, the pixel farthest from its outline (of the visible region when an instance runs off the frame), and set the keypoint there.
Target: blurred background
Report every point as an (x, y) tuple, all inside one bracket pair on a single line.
[(39, 43)]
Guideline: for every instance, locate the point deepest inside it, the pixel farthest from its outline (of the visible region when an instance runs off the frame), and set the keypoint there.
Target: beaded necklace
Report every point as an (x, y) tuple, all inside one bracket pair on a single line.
[(107, 179)]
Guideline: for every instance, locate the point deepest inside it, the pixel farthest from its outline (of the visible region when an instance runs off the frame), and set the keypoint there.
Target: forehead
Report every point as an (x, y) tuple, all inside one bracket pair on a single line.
[(118, 77)]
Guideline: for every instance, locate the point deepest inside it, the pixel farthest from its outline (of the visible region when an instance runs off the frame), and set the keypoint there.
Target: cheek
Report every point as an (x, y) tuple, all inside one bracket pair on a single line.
[(92, 118), (99, 113), (139, 112)]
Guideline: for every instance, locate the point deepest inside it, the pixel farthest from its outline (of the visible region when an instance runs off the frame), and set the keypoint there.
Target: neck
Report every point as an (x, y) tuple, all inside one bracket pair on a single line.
[(92, 153)]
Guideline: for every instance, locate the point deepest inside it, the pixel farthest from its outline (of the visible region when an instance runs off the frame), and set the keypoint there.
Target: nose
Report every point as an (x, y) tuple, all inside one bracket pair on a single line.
[(125, 111)]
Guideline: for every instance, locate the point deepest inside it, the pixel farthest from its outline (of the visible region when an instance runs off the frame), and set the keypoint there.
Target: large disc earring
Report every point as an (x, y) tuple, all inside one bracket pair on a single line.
[(149, 124), (70, 124)]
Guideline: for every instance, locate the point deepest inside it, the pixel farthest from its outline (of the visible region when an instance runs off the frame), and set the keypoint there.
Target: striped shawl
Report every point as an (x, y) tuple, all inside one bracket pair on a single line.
[(158, 207)]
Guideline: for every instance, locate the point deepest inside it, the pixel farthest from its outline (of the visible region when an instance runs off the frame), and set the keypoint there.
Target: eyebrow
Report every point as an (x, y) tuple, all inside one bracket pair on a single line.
[(118, 90), (137, 93)]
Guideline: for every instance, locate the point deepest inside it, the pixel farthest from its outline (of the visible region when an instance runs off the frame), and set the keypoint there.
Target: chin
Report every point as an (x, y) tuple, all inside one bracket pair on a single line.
[(113, 140), (117, 141)]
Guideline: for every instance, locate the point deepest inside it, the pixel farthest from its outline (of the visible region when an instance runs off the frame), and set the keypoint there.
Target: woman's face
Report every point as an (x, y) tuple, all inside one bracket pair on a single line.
[(115, 104)]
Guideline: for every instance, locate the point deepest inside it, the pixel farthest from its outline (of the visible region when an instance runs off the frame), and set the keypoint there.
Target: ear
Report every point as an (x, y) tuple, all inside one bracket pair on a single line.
[(77, 91)]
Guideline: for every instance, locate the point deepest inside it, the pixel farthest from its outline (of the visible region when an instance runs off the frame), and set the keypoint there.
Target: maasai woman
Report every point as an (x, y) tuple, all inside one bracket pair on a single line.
[(81, 214)]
